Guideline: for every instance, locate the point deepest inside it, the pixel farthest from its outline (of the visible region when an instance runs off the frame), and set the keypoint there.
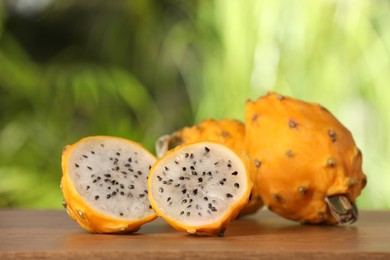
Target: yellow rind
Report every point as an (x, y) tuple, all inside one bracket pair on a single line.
[(86, 216), (269, 138)]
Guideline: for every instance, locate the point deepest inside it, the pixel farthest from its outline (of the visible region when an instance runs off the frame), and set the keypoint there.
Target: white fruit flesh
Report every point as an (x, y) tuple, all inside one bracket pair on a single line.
[(110, 174), (198, 184)]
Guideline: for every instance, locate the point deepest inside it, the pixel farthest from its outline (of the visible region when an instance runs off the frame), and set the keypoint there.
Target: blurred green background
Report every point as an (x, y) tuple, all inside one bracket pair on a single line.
[(141, 68)]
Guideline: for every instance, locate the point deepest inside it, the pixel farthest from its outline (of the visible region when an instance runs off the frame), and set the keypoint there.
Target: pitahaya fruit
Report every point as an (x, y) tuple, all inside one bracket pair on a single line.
[(199, 187), (104, 184), (308, 166), (229, 132)]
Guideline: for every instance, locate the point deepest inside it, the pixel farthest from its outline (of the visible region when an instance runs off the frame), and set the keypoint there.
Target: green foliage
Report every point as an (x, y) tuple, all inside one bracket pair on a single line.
[(140, 69)]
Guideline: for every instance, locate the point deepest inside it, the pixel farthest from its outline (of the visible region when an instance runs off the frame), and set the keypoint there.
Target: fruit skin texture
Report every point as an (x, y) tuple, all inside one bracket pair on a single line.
[(214, 229), (301, 154), (87, 217), (229, 132)]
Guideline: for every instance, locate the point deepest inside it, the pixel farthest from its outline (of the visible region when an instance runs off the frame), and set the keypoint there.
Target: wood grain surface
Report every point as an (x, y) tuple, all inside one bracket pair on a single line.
[(52, 234)]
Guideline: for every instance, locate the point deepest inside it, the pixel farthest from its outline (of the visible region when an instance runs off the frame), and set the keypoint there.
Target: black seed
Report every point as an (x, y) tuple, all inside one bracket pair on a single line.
[(106, 180), (131, 187), (108, 196), (164, 182), (205, 198), (292, 123), (130, 195), (234, 173), (123, 172), (139, 173), (150, 206), (210, 205), (122, 193), (141, 195), (129, 160), (161, 190), (109, 187), (102, 145), (182, 213), (177, 185), (224, 179), (184, 191), (92, 152), (213, 209), (87, 188), (176, 162), (94, 181), (116, 161), (113, 193), (135, 176), (221, 182), (166, 168), (85, 156), (146, 192), (170, 203), (192, 167), (89, 168), (183, 201), (111, 158), (117, 168), (159, 178), (186, 155), (206, 149), (168, 199), (228, 195), (188, 214), (96, 197), (121, 214), (131, 170), (150, 167), (181, 178), (113, 182), (195, 192), (99, 178), (229, 165), (200, 179), (199, 214), (76, 165), (209, 174), (191, 156), (127, 165), (184, 168), (236, 185), (216, 163), (194, 173), (107, 175), (118, 154)]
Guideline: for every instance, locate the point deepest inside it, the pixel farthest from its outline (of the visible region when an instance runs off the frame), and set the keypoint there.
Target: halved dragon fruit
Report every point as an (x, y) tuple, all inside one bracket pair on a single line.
[(105, 184), (199, 188)]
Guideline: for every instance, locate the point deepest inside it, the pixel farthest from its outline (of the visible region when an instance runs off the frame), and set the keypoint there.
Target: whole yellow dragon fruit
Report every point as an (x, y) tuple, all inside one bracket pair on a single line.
[(229, 132), (307, 165)]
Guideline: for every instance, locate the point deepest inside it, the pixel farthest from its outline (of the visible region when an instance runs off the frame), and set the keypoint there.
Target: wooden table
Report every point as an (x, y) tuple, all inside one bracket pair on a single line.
[(52, 234)]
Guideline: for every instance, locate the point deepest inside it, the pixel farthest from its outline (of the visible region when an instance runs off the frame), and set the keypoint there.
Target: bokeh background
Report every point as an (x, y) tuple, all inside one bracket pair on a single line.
[(143, 68)]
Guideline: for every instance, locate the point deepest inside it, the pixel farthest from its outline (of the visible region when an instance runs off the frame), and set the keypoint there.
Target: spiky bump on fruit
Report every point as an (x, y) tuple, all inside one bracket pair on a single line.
[(199, 187), (308, 166), (229, 132), (104, 184)]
